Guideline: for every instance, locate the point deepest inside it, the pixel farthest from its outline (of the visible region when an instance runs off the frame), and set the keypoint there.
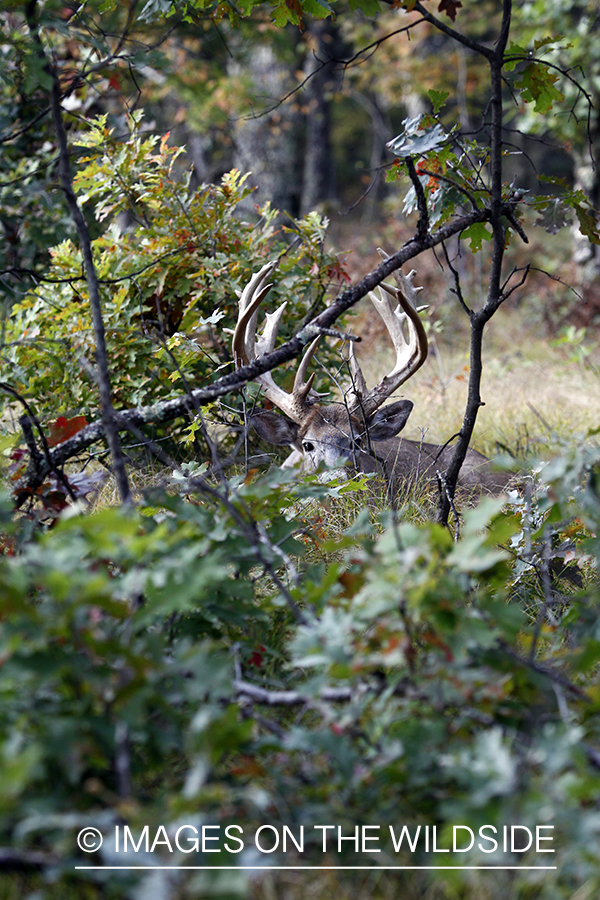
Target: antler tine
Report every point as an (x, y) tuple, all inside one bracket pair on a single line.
[(411, 353), (266, 343), (301, 387), (247, 346), (393, 317), (359, 385), (244, 344)]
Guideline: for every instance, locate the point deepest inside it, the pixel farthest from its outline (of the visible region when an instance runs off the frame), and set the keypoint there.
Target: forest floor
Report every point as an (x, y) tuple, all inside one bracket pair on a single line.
[(535, 390), (541, 369)]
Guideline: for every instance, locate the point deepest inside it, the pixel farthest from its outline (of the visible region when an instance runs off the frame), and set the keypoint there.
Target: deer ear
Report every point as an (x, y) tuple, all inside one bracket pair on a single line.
[(388, 421), (274, 428)]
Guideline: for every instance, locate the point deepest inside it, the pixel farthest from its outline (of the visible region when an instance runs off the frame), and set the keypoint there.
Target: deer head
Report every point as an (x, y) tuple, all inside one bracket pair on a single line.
[(329, 432)]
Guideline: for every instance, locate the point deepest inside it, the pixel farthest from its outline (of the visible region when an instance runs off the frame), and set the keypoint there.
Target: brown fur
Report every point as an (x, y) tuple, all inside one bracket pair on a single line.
[(329, 435)]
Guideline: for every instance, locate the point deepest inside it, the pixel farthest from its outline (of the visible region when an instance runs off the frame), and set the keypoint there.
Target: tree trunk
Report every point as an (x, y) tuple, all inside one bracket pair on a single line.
[(318, 183), (264, 139)]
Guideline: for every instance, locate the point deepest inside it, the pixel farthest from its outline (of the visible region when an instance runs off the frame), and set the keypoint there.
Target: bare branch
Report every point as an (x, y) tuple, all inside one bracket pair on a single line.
[(167, 410), (457, 289), (37, 460), (110, 429), (515, 287), (423, 223), (360, 56), (290, 698), (451, 32), (459, 187)]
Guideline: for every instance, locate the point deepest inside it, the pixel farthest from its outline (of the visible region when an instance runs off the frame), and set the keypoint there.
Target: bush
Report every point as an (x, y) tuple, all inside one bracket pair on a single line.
[(190, 664), (170, 261)]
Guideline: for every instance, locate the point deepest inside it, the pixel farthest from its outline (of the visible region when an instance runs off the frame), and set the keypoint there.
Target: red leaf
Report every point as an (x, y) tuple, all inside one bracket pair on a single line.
[(65, 428), (449, 7), (337, 271), (18, 465), (296, 9), (256, 658)]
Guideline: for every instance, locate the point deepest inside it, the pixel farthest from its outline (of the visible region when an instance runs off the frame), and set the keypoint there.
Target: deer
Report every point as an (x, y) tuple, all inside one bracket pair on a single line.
[(360, 433)]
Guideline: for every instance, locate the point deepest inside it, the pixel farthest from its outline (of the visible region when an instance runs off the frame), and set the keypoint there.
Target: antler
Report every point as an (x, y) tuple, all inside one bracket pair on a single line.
[(397, 307), (247, 347)]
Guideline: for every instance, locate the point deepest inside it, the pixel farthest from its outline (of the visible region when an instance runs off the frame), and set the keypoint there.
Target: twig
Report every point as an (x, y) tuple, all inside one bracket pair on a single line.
[(457, 290), (554, 676), (291, 698), (247, 523), (423, 223), (459, 187), (37, 458)]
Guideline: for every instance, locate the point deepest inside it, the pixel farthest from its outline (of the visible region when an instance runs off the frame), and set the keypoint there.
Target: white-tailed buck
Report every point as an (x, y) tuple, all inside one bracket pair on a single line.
[(359, 432)]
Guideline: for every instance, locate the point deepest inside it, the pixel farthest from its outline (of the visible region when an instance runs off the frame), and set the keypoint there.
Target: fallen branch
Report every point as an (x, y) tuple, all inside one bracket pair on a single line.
[(290, 698)]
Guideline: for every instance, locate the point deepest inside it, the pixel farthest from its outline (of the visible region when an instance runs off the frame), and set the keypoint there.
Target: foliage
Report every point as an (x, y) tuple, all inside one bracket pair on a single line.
[(32, 217), (129, 639), (169, 278), (566, 32), (450, 171)]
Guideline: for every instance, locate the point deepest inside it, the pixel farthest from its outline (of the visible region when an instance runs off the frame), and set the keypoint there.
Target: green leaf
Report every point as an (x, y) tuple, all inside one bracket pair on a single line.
[(476, 234), (396, 171), (554, 216), (369, 7), (514, 50), (588, 222), (549, 40), (537, 85), (438, 99), (318, 9), (8, 441), (156, 9)]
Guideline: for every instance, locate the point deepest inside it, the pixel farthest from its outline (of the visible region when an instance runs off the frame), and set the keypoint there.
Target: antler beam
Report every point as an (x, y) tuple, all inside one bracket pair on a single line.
[(247, 347), (397, 308)]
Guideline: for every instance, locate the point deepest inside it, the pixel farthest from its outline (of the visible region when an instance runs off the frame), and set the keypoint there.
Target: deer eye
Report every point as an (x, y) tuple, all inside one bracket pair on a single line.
[(307, 446)]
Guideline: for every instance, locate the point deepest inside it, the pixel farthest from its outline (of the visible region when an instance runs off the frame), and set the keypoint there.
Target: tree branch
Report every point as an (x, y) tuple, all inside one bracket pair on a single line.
[(167, 410), (108, 418), (423, 223), (451, 32), (290, 698), (497, 210)]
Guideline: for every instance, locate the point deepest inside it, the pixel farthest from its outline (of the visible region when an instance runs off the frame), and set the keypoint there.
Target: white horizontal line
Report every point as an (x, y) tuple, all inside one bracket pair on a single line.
[(324, 868)]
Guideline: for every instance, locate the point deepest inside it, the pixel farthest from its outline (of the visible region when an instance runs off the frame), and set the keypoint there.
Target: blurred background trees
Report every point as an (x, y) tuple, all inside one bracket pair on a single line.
[(306, 111)]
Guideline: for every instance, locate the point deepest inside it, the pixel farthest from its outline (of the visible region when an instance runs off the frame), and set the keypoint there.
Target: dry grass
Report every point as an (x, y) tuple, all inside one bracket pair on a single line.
[(530, 389), (141, 479), (532, 392)]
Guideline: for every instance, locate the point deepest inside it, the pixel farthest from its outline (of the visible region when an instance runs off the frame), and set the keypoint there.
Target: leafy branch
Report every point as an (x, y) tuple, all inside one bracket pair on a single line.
[(168, 410)]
